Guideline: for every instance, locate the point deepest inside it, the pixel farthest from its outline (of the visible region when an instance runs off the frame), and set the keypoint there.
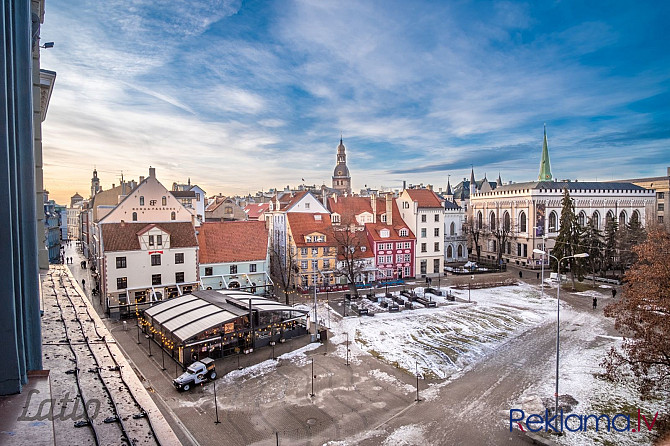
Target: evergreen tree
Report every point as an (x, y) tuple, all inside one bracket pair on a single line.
[(592, 242), (610, 255), (630, 236), (569, 237)]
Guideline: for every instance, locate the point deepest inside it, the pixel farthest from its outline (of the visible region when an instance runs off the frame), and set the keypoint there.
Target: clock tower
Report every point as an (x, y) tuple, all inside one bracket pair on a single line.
[(341, 178)]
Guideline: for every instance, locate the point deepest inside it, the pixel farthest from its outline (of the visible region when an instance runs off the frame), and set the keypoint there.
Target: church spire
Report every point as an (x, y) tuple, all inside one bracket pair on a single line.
[(449, 187), (499, 181), (545, 167)]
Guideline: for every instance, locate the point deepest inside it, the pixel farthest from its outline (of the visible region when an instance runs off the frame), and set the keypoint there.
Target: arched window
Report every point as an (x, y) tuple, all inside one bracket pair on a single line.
[(480, 222), (635, 217), (522, 222), (609, 217), (142, 201), (164, 201), (622, 219), (452, 228), (173, 215), (581, 219), (553, 222), (134, 216), (460, 251), (595, 218), (492, 221), (450, 252), (507, 222)]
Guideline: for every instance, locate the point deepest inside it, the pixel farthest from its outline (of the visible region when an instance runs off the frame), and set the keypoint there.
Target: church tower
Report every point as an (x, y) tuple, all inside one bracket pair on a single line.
[(545, 167), (95, 183), (341, 178)]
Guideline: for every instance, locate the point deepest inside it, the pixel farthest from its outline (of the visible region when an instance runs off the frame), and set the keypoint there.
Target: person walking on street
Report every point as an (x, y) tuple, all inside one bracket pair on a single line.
[(83, 283), (613, 293), (520, 275), (595, 302)]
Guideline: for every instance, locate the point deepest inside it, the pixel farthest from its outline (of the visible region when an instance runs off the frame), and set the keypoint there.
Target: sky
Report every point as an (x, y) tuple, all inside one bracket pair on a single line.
[(246, 96)]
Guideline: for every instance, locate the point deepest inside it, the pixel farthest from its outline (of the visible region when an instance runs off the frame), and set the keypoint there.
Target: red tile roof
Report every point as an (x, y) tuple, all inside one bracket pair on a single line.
[(303, 224), (349, 207), (398, 224), (255, 210), (426, 198), (293, 200), (360, 241), (125, 236), (232, 241)]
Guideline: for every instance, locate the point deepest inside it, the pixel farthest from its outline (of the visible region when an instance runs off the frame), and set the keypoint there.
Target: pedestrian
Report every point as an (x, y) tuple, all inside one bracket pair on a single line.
[(520, 275), (595, 302), (83, 283), (538, 276), (613, 293)]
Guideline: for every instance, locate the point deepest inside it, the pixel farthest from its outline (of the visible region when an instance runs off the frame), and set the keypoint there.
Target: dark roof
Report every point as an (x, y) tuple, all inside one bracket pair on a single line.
[(232, 241), (183, 193), (125, 236), (571, 186)]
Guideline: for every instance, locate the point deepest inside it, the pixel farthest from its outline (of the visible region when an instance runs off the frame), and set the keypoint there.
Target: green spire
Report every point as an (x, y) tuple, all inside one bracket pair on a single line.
[(545, 167)]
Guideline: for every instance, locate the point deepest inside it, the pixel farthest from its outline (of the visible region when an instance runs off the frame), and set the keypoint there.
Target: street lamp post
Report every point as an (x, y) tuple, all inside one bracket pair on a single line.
[(558, 312)]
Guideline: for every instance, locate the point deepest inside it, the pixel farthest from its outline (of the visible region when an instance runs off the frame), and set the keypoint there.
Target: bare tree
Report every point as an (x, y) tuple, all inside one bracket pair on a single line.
[(501, 232), (351, 245), (283, 266), (474, 232)]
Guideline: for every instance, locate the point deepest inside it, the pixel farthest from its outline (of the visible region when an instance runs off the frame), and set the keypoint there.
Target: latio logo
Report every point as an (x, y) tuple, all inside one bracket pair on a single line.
[(576, 422)]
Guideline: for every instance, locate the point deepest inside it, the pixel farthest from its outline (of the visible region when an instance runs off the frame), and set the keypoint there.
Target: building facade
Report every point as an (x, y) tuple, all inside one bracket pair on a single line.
[(661, 186), (423, 211)]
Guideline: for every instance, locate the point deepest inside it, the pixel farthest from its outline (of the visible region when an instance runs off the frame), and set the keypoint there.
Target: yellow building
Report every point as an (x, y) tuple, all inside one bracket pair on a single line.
[(312, 244)]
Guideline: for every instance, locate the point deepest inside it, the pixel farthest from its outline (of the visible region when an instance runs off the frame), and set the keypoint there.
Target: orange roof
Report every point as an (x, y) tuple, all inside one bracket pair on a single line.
[(232, 241), (125, 236), (360, 241), (255, 210), (398, 224), (426, 198), (349, 207), (293, 200), (303, 224)]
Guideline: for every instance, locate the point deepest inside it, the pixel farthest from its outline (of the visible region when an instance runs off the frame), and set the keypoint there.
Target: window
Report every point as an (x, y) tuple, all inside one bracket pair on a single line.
[(303, 252), (383, 218), (437, 217), (389, 259), (151, 240), (518, 249), (405, 205), (423, 218), (306, 205), (155, 279), (452, 228), (398, 245), (134, 216), (423, 232), (315, 251), (423, 266), (233, 269), (159, 240), (436, 232), (120, 262), (252, 267), (660, 219), (178, 257), (408, 245), (460, 251), (326, 251), (553, 220), (581, 219), (141, 201), (208, 271), (380, 259), (622, 219), (480, 222), (121, 283), (404, 232), (423, 247), (197, 197), (228, 210), (303, 264), (326, 263), (407, 271), (660, 195), (399, 258), (522, 222), (661, 206), (450, 252), (315, 264), (437, 247), (595, 219), (492, 221), (155, 259), (408, 258), (173, 215), (164, 201), (179, 277), (436, 265)]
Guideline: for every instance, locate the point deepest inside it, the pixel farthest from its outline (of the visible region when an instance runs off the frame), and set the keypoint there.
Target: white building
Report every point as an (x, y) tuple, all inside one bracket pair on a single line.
[(455, 239), (423, 211)]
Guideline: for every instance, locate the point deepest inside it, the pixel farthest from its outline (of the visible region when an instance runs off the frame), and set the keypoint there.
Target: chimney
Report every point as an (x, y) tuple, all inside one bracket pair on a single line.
[(389, 209), (152, 172), (324, 198), (113, 185), (429, 186), (373, 202), (141, 178), (669, 171), (404, 184)]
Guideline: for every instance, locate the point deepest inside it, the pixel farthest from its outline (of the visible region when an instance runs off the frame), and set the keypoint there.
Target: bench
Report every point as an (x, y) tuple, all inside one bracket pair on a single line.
[(426, 303)]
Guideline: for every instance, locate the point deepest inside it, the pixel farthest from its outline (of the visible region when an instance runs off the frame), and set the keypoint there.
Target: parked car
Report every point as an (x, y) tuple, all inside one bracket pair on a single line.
[(196, 373)]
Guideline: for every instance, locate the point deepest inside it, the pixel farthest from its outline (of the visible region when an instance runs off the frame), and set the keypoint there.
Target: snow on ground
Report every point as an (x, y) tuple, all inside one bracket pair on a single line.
[(442, 341), (409, 435)]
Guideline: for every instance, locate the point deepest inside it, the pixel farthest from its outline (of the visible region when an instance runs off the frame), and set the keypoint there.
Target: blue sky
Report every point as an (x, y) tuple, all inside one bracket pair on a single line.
[(242, 96)]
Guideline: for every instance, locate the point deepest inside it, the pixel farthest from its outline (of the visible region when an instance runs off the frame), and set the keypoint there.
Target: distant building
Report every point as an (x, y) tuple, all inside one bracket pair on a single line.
[(257, 211), (423, 211), (661, 185), (234, 255), (530, 212), (52, 229), (341, 177), (222, 208), (193, 197)]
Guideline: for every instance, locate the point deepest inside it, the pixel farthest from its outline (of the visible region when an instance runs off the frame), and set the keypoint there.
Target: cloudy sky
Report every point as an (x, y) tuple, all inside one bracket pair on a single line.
[(242, 96)]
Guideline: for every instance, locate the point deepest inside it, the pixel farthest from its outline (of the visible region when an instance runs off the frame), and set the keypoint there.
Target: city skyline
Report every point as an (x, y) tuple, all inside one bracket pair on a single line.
[(243, 97)]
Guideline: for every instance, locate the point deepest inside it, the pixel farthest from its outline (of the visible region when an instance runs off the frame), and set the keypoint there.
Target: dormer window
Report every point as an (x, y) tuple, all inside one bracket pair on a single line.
[(336, 218), (151, 240), (363, 248), (383, 218), (159, 240), (384, 233), (308, 239), (403, 232)]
